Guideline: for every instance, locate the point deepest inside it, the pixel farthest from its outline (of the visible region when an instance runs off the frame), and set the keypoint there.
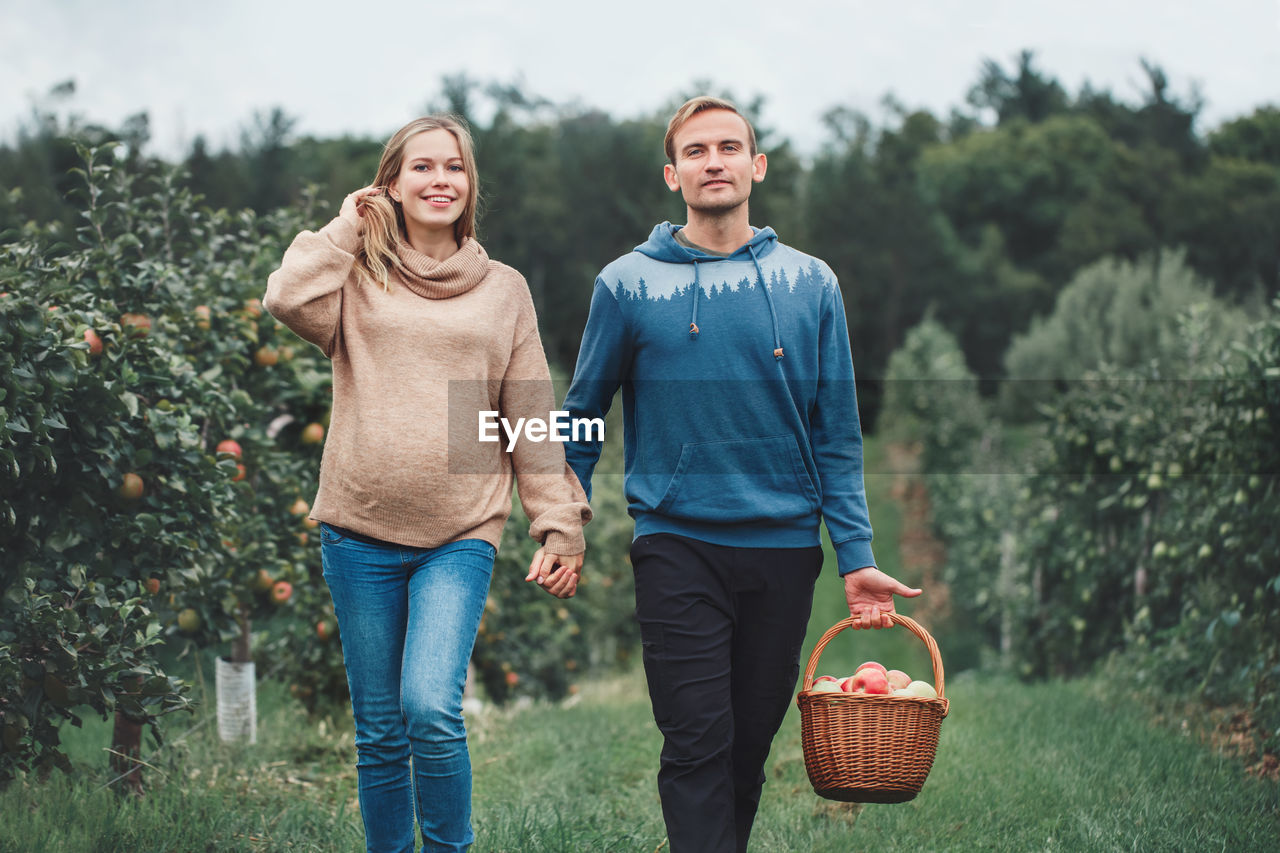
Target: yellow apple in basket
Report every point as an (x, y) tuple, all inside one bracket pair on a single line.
[(921, 689)]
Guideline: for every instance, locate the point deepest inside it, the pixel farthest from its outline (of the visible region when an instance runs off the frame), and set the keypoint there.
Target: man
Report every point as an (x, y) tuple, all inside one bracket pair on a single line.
[(741, 435)]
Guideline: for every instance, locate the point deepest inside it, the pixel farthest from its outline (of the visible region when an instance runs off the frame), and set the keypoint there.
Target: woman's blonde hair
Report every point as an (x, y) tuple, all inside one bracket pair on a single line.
[(384, 217)]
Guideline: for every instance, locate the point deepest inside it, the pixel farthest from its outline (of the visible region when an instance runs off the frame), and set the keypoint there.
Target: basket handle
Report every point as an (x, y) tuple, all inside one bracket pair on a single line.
[(905, 621)]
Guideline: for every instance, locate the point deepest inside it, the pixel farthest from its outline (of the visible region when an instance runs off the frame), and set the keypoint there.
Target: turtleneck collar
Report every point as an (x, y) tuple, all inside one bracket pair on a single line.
[(433, 279)]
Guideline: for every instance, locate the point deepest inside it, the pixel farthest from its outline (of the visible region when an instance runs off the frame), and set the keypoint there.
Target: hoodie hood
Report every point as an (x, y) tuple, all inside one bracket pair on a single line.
[(663, 246)]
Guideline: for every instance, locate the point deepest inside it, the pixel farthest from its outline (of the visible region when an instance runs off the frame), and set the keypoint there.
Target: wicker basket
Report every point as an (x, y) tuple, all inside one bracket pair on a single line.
[(870, 749)]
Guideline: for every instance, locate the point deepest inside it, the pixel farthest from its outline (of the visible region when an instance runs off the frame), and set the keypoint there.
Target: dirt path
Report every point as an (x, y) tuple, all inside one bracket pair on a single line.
[(923, 556)]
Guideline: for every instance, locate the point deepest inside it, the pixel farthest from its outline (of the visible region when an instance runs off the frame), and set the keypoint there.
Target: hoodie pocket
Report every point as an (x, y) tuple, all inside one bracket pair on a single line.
[(740, 480)]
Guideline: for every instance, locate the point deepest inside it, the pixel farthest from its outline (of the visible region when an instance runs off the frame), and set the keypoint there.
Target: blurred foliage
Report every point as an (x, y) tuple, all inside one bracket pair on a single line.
[(1121, 314), (985, 215), (1141, 525)]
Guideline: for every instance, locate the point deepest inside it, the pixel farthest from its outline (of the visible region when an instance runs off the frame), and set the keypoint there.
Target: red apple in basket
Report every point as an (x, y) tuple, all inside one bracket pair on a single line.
[(898, 679), (868, 680), (863, 666)]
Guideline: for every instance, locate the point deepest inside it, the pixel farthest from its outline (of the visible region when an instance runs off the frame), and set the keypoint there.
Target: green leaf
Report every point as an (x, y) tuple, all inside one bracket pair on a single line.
[(61, 540), (31, 320), (155, 686), (130, 401), (61, 372)]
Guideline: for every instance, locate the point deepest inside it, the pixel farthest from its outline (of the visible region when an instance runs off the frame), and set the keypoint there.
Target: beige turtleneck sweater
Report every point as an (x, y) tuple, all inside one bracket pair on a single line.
[(412, 369)]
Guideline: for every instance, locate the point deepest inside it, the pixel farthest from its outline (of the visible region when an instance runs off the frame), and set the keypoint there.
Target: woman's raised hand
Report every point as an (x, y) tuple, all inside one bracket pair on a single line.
[(353, 205)]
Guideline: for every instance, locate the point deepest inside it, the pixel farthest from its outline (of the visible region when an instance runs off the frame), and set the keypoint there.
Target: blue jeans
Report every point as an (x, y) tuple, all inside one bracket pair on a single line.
[(408, 619)]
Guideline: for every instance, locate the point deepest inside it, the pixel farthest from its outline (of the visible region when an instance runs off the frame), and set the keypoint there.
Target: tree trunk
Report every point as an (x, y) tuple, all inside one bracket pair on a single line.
[(126, 747), (240, 651)]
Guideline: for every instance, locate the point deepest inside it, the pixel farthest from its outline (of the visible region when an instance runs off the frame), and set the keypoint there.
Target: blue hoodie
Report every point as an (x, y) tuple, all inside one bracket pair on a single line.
[(740, 419)]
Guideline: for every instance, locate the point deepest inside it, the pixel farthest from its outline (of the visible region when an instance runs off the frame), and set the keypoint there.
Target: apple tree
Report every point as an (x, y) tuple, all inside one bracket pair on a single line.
[(108, 501)]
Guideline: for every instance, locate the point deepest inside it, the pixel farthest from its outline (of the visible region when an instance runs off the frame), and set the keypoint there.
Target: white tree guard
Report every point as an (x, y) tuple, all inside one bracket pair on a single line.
[(237, 701)]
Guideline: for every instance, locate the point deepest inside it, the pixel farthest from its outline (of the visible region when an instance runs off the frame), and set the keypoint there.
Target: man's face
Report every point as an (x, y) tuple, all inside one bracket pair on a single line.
[(714, 168)]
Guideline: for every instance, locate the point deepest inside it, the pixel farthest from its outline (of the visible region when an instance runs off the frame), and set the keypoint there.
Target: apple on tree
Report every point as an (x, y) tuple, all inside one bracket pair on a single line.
[(312, 433), (136, 324), (229, 447), (281, 591), (189, 620), (131, 487)]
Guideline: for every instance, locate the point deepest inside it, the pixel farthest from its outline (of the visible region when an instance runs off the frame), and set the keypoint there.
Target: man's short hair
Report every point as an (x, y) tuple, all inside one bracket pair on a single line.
[(691, 108)]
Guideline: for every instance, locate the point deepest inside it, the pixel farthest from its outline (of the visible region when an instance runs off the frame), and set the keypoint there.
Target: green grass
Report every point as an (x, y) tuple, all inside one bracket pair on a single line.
[(294, 790), (1060, 766), (1050, 767)]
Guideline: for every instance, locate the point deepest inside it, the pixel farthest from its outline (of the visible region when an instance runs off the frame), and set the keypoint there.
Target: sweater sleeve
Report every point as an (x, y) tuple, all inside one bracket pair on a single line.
[(603, 361), (306, 292), (837, 443), (551, 496)]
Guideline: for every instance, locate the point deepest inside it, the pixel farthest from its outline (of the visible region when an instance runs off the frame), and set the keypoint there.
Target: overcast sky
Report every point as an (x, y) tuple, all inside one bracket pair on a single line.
[(367, 67)]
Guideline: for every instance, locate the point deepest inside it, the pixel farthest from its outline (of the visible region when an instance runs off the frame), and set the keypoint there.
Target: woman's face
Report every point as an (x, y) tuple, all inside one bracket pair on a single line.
[(432, 186)]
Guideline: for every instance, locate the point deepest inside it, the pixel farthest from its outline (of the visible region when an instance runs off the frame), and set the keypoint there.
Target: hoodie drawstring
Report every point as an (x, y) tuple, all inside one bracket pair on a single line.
[(773, 315), (697, 286)]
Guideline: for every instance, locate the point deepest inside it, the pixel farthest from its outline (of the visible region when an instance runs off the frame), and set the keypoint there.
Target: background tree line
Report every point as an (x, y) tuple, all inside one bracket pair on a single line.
[(981, 217)]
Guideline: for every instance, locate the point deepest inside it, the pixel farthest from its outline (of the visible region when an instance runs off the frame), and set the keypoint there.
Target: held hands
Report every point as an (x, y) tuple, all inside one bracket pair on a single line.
[(556, 574), (870, 593)]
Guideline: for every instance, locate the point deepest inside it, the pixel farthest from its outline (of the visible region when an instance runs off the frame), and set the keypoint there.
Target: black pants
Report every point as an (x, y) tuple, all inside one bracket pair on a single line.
[(722, 630)]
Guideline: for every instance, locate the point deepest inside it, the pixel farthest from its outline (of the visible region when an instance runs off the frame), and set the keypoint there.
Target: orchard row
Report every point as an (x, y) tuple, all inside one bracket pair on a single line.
[(160, 437), (1138, 525)]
